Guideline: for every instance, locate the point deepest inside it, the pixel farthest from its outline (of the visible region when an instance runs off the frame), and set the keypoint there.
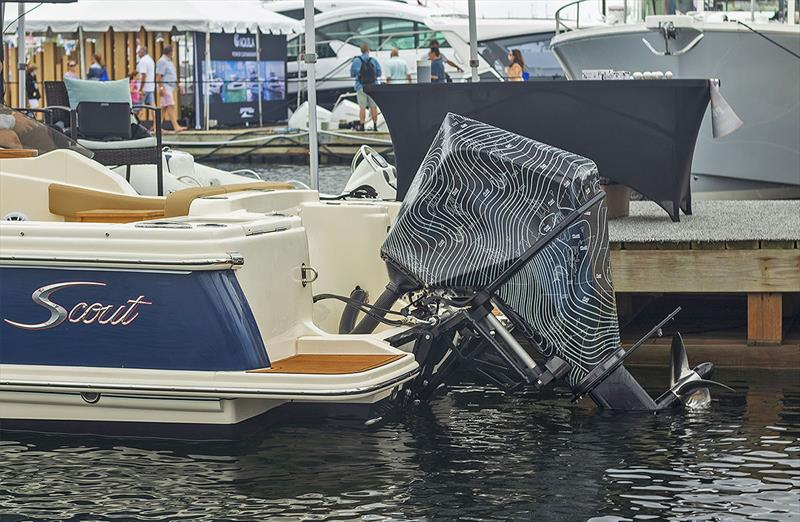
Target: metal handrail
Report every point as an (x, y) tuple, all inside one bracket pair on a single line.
[(561, 26)]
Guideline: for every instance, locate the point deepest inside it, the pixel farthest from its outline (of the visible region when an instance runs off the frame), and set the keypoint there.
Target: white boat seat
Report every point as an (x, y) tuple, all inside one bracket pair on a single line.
[(141, 143)]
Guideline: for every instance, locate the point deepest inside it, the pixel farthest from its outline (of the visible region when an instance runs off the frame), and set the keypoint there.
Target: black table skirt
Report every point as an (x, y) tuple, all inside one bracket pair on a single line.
[(640, 133)]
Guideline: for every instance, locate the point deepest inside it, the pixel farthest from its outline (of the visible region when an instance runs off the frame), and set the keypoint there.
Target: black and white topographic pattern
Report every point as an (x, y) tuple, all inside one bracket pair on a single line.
[(481, 198)]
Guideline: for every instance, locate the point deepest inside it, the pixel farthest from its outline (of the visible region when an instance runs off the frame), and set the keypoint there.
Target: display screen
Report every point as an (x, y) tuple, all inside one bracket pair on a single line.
[(242, 71)]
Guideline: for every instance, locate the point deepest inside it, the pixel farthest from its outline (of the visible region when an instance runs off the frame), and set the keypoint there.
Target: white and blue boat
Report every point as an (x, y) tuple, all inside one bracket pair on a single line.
[(135, 313)]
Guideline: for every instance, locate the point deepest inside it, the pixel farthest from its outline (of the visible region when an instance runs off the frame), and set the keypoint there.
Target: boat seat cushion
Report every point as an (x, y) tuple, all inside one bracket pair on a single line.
[(68, 200), (71, 201), (115, 91), (141, 143), (178, 202)]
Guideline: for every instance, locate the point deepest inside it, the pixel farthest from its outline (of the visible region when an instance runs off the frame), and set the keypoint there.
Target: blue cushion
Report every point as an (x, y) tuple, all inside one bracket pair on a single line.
[(94, 91)]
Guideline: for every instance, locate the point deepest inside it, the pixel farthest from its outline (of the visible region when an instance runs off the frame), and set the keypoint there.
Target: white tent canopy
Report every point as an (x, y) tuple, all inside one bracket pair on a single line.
[(184, 15)]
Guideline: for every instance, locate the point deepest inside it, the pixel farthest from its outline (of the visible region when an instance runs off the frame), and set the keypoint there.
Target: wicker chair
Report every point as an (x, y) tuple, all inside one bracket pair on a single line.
[(145, 151), (55, 97)]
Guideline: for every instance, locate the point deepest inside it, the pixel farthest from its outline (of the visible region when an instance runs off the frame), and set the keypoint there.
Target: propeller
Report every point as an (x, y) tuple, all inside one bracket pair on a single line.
[(687, 384)]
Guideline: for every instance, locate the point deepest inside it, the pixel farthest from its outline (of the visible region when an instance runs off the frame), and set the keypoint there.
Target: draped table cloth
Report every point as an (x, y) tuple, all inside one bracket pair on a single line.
[(640, 133)]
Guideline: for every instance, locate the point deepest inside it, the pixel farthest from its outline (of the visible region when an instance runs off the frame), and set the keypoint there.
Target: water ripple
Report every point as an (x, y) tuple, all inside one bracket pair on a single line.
[(473, 454)]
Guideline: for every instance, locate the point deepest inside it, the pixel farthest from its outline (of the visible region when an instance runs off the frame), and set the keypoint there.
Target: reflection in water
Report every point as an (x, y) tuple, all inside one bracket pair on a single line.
[(473, 453)]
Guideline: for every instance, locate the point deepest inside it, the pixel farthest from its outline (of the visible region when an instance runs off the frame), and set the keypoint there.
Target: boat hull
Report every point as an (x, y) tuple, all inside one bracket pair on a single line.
[(758, 79), (160, 417)]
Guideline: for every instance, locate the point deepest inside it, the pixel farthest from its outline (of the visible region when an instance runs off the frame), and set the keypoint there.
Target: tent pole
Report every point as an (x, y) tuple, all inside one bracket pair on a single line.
[(311, 78), (22, 98), (258, 76), (81, 53), (207, 81), (473, 41), (3, 75)]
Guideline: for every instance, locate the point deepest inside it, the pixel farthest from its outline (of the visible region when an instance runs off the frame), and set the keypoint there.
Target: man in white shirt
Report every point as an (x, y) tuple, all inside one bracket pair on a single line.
[(397, 69), (147, 74)]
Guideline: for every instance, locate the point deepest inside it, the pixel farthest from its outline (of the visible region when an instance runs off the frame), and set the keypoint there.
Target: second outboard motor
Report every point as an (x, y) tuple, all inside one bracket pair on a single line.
[(500, 232)]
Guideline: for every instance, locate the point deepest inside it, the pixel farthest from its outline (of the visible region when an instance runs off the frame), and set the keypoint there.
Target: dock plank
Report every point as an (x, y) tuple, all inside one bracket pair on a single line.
[(706, 271)]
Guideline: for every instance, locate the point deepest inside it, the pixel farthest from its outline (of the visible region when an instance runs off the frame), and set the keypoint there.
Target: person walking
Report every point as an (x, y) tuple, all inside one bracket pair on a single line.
[(72, 70), (366, 70), (434, 44), (147, 76), (146, 68), (97, 71), (397, 69), (32, 86), (167, 79), (437, 66), (516, 69)]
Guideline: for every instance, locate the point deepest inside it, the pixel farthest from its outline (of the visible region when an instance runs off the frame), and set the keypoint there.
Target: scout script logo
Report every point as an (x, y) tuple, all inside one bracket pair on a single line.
[(82, 312)]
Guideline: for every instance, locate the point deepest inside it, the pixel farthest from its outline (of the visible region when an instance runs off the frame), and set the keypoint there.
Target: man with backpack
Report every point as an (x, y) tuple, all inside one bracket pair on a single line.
[(366, 70)]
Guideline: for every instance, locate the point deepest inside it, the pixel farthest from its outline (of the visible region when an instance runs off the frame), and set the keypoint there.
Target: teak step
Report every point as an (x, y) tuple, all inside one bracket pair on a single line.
[(326, 364)]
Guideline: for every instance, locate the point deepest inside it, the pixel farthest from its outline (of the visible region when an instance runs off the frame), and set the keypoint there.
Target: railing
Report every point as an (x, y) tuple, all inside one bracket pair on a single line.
[(630, 8), (560, 25)]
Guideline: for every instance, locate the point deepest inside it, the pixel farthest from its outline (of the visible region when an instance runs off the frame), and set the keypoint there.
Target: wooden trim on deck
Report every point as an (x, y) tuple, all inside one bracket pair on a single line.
[(328, 364), (18, 153)]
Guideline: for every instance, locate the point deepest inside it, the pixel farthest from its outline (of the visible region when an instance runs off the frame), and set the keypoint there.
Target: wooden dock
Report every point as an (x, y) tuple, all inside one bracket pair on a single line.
[(275, 144), (736, 260)]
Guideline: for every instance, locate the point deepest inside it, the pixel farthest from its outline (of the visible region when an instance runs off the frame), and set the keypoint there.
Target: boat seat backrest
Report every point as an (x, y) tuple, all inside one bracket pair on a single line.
[(179, 202), (68, 200)]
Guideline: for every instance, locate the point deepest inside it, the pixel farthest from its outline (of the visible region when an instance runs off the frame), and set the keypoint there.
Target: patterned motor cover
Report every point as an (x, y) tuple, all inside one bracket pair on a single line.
[(481, 198)]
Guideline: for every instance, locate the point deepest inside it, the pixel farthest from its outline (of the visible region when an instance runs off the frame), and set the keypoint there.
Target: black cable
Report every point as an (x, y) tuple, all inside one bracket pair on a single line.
[(770, 40), (365, 308), (360, 192), (12, 22), (354, 302)]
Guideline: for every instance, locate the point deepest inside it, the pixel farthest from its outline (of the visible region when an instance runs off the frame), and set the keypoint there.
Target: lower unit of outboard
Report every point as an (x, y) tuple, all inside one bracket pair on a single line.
[(500, 233)]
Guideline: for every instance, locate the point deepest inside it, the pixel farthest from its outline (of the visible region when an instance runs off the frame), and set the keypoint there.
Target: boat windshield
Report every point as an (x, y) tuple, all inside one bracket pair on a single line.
[(540, 62), (19, 131)]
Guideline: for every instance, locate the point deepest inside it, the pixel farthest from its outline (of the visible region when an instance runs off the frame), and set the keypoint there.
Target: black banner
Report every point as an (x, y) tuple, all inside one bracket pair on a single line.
[(242, 71)]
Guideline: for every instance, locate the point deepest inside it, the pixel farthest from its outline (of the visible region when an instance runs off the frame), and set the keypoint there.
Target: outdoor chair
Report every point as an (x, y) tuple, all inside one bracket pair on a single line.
[(57, 103), (89, 123)]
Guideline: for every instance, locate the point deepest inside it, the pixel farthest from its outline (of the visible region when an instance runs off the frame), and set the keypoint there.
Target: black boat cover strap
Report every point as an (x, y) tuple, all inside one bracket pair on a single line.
[(639, 133), (481, 198)]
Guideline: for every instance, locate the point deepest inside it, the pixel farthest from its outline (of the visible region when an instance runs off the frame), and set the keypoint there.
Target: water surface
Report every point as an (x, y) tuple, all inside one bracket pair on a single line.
[(475, 454)]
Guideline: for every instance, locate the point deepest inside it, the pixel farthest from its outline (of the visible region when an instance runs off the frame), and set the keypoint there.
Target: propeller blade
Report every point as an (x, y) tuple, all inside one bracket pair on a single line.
[(692, 386), (679, 362)]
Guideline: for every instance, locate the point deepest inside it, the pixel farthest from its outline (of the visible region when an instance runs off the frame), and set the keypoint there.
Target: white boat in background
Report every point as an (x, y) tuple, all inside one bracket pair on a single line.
[(342, 26), (758, 65)]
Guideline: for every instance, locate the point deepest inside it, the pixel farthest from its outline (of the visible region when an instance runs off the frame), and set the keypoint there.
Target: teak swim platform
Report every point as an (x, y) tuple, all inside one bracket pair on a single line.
[(328, 364)]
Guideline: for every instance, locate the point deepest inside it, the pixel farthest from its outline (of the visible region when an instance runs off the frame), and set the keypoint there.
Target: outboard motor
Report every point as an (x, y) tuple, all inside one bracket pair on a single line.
[(371, 169), (500, 232)]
